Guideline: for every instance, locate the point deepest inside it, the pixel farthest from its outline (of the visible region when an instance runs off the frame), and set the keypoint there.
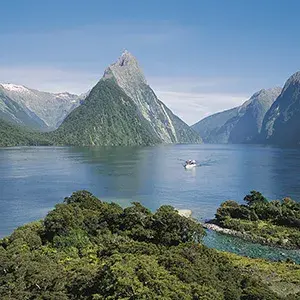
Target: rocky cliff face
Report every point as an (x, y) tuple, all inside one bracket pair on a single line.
[(282, 122), (48, 110), (129, 77), (122, 109), (249, 124), (213, 130), (12, 112), (238, 125)]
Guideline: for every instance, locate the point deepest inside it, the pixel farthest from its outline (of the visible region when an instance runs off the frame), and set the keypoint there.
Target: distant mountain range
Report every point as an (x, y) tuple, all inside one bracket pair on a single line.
[(281, 124), (269, 117), (121, 109), (241, 124), (35, 109)]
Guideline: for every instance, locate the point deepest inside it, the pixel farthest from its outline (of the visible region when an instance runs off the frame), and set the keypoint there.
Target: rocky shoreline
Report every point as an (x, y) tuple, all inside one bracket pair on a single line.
[(210, 225), (246, 236), (185, 213)]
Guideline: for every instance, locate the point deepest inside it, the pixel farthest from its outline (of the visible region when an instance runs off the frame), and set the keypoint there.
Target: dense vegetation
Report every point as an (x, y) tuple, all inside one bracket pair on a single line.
[(283, 278), (12, 135), (88, 249), (108, 117), (274, 222)]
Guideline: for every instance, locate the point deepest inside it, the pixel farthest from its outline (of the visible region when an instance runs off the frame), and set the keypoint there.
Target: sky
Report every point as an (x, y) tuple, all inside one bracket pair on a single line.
[(200, 57)]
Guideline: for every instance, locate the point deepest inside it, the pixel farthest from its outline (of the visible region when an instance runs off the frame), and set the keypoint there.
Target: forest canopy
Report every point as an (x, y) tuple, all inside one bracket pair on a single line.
[(89, 249)]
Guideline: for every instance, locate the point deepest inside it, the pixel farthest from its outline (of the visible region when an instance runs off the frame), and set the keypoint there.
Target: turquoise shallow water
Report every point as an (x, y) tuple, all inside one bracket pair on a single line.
[(34, 179)]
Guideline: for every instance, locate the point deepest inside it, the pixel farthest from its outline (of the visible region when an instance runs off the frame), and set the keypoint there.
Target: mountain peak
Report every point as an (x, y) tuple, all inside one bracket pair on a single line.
[(294, 79), (125, 69), (125, 58), (14, 87), (271, 92)]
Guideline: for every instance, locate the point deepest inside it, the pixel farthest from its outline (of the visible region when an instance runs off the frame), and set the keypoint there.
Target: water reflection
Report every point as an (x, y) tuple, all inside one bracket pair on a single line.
[(34, 179)]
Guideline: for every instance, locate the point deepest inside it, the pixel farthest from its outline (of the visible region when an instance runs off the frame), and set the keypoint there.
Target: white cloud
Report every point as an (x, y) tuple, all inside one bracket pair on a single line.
[(190, 98), (50, 79), (192, 107), (193, 98), (74, 59)]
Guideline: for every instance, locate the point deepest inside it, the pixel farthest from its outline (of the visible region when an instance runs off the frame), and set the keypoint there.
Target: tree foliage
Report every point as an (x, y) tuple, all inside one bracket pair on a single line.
[(274, 221), (13, 135), (255, 197), (88, 249)]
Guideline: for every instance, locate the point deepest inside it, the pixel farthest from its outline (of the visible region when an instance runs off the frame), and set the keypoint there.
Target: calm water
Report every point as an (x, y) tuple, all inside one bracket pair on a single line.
[(34, 179)]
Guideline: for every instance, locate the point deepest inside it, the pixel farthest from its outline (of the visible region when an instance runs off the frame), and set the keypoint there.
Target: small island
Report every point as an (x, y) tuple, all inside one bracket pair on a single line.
[(275, 223), (89, 249)]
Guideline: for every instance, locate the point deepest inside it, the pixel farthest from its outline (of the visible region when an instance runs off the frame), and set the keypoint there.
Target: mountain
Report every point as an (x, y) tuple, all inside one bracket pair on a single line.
[(212, 129), (240, 124), (248, 127), (282, 122), (13, 135), (12, 112), (47, 110), (122, 109), (107, 117)]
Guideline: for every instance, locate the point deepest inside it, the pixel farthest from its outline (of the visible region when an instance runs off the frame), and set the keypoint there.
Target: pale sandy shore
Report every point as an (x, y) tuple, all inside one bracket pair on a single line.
[(185, 212)]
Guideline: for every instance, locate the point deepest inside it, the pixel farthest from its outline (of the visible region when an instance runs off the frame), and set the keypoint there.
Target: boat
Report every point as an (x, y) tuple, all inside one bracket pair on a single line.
[(190, 164)]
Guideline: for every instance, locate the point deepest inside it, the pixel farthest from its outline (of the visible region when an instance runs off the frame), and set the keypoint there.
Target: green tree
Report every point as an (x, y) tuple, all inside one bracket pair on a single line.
[(255, 197), (172, 229)]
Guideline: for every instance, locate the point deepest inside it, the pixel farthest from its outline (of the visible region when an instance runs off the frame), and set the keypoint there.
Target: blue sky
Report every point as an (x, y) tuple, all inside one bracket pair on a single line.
[(200, 57)]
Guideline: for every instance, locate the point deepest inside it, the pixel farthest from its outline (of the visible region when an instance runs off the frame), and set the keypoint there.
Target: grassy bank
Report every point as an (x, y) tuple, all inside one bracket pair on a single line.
[(281, 277)]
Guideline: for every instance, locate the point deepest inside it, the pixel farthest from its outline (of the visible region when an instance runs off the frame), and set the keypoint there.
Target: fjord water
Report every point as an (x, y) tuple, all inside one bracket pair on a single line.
[(34, 179)]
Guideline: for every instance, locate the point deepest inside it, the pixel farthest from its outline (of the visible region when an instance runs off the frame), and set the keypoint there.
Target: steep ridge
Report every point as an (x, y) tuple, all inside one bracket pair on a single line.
[(50, 109), (108, 117), (12, 112), (129, 76), (240, 124), (122, 109), (249, 124), (282, 122), (212, 129)]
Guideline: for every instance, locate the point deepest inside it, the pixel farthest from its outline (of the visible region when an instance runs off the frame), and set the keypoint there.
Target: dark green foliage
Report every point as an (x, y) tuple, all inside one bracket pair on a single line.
[(171, 229), (255, 197), (232, 209), (12, 135), (108, 117), (88, 249), (274, 221)]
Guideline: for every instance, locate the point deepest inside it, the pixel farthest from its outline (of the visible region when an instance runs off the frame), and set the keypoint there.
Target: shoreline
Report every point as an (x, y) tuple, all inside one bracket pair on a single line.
[(185, 212), (245, 236), (210, 225)]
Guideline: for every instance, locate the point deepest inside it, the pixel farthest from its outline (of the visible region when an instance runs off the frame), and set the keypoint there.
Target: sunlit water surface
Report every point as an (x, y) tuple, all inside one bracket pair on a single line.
[(34, 179)]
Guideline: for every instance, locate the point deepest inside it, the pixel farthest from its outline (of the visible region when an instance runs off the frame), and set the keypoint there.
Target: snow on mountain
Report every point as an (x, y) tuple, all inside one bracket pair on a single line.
[(51, 108)]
